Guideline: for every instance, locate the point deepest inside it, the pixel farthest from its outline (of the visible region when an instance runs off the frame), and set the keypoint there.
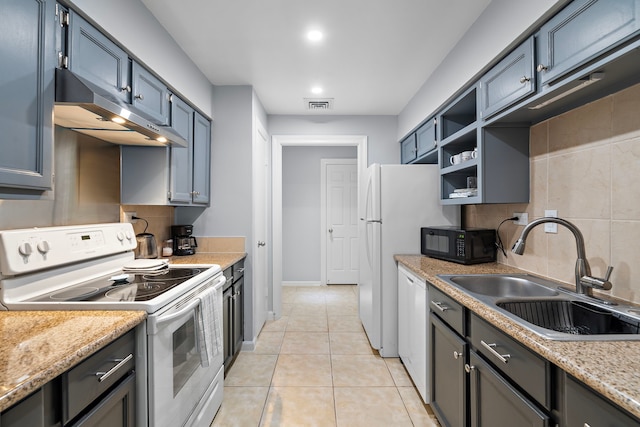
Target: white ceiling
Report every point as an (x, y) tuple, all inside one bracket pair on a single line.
[(374, 57)]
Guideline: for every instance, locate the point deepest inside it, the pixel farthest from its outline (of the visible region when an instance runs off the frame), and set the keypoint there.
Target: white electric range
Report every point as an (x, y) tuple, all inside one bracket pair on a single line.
[(92, 267)]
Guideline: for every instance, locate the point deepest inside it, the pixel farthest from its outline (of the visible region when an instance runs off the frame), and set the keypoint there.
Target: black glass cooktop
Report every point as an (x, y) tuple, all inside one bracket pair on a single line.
[(123, 286)]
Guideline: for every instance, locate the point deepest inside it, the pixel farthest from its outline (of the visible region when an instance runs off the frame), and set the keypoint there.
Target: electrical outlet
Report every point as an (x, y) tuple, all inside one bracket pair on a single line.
[(551, 227), (523, 218), (128, 217)]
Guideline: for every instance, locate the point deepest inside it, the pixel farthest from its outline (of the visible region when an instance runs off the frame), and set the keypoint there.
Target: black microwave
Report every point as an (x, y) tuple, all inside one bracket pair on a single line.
[(461, 245)]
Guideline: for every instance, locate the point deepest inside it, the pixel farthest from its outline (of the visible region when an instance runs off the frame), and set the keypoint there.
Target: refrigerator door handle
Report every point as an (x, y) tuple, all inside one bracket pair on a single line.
[(372, 221)]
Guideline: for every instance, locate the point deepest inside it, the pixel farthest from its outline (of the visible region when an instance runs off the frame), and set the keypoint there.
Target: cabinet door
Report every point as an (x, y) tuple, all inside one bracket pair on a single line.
[(403, 316), (408, 151), (509, 81), (27, 81), (584, 407), (96, 58), (238, 315), (181, 157), (495, 403), (581, 31), (116, 409), (201, 159), (227, 322), (448, 378), (419, 338), (150, 95), (426, 141)]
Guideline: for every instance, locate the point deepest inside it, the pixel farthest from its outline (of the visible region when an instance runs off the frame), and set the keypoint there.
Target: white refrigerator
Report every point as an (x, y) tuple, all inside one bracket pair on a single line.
[(398, 200)]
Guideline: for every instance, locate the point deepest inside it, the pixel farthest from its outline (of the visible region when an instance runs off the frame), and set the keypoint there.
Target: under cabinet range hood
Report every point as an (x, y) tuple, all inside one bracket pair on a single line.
[(83, 107)]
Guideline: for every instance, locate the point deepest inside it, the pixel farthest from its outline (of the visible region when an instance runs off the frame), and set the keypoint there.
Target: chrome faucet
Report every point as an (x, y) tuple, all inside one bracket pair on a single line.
[(585, 282)]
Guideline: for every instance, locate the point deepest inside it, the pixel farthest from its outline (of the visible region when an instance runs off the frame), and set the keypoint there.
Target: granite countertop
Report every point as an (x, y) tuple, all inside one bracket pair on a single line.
[(610, 367), (37, 346), (223, 259)]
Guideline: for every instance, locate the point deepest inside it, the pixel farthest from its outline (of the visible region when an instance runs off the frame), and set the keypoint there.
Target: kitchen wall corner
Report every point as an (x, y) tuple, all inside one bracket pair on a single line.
[(586, 165)]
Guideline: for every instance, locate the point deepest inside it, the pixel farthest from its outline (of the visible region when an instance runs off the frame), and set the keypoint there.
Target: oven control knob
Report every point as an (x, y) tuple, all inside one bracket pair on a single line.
[(120, 236), (25, 249), (43, 247)]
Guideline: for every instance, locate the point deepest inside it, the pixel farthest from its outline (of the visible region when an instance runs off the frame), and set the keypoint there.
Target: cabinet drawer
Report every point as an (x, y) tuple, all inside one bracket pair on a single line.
[(528, 370), (82, 384), (447, 309)]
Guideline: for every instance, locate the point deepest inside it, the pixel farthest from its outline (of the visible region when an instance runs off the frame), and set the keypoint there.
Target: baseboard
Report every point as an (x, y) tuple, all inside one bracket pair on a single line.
[(307, 283)]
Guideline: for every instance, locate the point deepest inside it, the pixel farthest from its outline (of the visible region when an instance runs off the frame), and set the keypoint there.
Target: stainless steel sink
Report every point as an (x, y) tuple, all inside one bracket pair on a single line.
[(503, 286), (549, 310)]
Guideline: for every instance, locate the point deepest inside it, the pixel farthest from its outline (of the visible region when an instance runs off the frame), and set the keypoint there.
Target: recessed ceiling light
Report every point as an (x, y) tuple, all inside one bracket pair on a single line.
[(119, 120), (317, 90), (314, 35)]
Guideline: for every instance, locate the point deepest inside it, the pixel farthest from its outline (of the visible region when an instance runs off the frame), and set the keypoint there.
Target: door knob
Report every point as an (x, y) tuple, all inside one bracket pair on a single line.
[(331, 230), (261, 243)]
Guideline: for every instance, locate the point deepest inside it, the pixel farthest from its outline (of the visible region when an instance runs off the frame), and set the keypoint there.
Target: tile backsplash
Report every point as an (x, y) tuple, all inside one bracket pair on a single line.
[(586, 165)]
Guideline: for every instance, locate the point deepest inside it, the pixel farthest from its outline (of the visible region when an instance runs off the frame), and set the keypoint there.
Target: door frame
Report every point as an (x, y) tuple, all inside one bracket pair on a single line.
[(323, 211), (277, 143)]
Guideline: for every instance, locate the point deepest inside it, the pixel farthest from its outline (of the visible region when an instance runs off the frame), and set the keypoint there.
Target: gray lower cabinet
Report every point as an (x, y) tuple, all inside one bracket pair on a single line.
[(449, 381), (495, 402), (233, 313), (511, 80), (583, 407), (98, 392), (27, 77), (94, 57), (581, 31), (149, 95)]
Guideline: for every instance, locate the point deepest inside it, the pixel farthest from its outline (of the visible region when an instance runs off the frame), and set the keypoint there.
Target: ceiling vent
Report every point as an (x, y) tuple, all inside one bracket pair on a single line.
[(322, 104)]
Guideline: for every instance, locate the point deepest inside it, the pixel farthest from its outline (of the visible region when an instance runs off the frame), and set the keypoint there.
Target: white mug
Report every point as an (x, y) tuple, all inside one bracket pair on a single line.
[(468, 155), (455, 159)]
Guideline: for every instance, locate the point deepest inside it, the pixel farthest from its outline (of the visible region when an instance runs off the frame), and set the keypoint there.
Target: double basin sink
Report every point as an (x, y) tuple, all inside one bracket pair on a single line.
[(545, 308)]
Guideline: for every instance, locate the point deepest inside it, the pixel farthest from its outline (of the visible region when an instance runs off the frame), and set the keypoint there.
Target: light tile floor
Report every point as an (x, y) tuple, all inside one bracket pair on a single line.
[(314, 367)]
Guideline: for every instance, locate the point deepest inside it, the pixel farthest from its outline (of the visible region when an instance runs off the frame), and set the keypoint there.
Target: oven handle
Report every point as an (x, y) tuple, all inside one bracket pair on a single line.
[(155, 322)]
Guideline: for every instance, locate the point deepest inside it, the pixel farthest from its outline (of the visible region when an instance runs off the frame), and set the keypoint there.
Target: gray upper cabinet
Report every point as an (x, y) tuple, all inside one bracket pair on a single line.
[(181, 158), (509, 81), (581, 31), (201, 159), (170, 176), (97, 59), (27, 81), (408, 150), (427, 141), (150, 95)]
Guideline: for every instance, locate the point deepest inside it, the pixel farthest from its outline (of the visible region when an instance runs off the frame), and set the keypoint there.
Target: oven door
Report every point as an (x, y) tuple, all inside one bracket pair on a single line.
[(179, 374)]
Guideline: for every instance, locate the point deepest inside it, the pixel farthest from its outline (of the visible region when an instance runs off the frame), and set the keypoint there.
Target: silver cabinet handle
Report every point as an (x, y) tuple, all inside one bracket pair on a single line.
[(140, 97), (524, 79), (126, 88), (241, 270), (469, 368), (504, 358), (104, 375), (542, 68), (457, 355), (439, 306)]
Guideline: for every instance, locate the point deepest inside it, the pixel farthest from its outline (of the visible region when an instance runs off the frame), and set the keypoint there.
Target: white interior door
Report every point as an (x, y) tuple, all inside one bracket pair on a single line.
[(261, 179), (340, 229)]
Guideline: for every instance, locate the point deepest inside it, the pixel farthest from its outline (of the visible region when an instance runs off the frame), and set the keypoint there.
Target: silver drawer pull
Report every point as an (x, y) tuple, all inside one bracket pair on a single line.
[(104, 375), (439, 306), (504, 358)]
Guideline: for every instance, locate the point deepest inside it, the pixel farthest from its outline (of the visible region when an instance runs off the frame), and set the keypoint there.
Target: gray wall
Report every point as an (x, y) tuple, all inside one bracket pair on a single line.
[(380, 130), (494, 32), (301, 209)]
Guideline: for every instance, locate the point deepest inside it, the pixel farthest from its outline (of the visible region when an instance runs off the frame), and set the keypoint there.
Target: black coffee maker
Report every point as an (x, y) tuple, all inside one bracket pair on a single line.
[(183, 242)]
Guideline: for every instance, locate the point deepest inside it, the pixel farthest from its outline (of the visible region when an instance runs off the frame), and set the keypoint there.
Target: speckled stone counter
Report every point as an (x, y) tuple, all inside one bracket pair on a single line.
[(611, 367), (223, 259), (37, 346)]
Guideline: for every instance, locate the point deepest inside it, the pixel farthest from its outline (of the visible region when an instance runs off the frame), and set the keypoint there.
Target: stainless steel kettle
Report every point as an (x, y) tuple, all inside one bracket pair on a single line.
[(147, 246)]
